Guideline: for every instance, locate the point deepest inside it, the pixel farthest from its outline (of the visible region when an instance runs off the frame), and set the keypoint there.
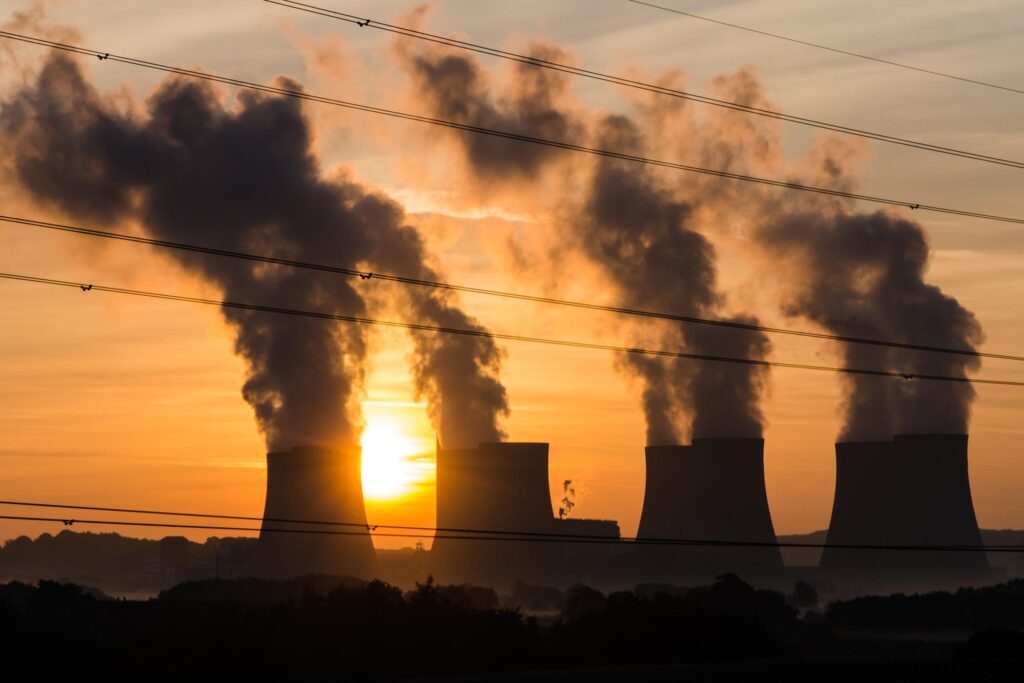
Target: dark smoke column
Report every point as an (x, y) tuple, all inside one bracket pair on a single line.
[(643, 238), (194, 168)]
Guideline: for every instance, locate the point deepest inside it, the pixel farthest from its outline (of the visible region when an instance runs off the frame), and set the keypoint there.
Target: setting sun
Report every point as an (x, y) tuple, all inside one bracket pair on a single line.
[(390, 469)]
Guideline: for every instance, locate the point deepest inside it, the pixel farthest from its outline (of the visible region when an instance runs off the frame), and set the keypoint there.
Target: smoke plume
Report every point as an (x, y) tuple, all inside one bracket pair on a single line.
[(862, 274), (241, 176), (855, 274), (626, 220)]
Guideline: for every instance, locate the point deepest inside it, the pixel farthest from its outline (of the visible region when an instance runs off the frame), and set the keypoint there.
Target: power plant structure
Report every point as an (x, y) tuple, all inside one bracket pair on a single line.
[(496, 487), (320, 484), (711, 491), (914, 490), (495, 521)]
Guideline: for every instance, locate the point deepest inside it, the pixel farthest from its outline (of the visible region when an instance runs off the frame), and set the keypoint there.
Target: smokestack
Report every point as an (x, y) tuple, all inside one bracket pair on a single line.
[(914, 490), (318, 484), (499, 487), (711, 491)]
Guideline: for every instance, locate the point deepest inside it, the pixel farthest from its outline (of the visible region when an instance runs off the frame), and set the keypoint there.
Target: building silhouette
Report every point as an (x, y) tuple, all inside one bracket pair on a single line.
[(711, 491), (315, 483), (501, 487), (911, 491)]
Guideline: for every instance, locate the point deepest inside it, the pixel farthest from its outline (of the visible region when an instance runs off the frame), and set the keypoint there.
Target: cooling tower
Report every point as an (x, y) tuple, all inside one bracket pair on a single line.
[(711, 491), (460, 484), (912, 491), (864, 509), (495, 487), (320, 484)]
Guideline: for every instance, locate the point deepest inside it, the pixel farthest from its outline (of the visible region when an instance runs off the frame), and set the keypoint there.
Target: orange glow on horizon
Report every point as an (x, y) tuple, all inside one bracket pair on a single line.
[(391, 466)]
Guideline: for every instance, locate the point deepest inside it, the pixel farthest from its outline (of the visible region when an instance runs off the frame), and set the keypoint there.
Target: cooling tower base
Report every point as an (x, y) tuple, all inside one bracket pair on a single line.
[(707, 493), (912, 491), (496, 487), (316, 484)]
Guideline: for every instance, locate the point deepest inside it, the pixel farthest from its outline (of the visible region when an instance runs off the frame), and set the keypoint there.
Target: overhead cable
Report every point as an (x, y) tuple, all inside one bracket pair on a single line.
[(364, 22), (420, 327), (366, 275), (819, 46), (508, 135), (504, 536)]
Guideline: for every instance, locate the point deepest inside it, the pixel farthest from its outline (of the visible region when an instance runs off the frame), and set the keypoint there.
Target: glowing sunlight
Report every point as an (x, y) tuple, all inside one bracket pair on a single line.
[(390, 468)]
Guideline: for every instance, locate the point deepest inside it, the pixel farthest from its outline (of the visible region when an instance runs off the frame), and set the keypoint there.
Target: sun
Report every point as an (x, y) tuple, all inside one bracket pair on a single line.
[(389, 470)]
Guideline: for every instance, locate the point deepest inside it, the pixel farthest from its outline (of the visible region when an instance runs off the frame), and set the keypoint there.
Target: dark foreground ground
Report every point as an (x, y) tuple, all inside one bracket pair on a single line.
[(327, 628)]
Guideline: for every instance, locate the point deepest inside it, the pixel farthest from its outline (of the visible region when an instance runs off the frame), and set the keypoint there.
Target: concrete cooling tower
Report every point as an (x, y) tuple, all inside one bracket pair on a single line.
[(495, 487), (914, 490), (318, 484), (711, 491), (864, 506)]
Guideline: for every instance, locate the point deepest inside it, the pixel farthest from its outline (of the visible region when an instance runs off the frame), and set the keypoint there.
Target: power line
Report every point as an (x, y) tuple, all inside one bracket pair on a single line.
[(364, 275), (282, 520), (420, 327), (632, 83), (482, 534), (455, 530), (830, 49), (321, 532), (556, 144)]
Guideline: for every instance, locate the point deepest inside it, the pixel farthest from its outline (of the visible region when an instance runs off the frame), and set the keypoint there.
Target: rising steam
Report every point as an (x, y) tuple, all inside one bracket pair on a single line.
[(626, 220), (863, 275), (855, 274), (193, 168)]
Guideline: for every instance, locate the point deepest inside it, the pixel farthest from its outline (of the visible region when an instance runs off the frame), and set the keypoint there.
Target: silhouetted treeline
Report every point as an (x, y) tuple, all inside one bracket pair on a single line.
[(313, 631), (1001, 605), (333, 628), (727, 621)]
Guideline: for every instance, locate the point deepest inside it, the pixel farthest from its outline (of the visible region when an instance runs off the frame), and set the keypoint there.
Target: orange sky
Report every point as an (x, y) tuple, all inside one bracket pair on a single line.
[(115, 401)]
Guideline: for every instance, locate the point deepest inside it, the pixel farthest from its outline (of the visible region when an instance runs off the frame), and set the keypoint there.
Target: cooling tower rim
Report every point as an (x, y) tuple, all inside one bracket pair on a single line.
[(723, 439), (865, 442), (909, 435), (706, 440), (308, 450), (586, 519)]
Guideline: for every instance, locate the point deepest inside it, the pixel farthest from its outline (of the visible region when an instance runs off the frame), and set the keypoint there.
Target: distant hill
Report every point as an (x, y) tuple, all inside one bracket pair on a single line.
[(808, 557), (117, 564), (125, 566), (120, 565)]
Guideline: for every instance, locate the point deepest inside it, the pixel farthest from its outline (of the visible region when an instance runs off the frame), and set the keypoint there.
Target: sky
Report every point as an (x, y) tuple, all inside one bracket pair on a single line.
[(121, 402)]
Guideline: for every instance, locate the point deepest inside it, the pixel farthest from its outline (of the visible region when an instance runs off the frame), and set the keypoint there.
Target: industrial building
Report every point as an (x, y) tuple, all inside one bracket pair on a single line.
[(712, 490), (315, 483), (914, 490), (496, 487)]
